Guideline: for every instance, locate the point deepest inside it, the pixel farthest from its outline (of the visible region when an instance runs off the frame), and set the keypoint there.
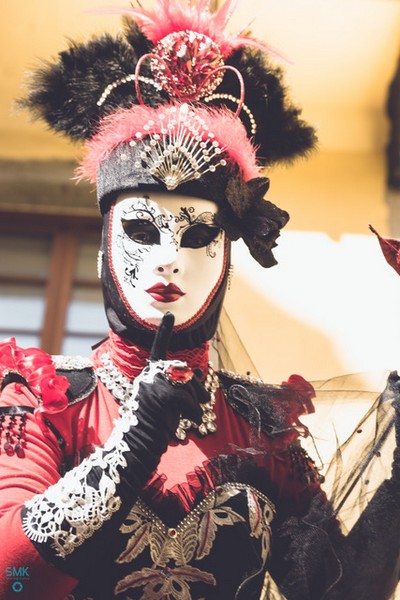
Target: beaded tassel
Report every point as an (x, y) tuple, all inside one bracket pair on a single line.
[(209, 418), (8, 446), (14, 434), (19, 449)]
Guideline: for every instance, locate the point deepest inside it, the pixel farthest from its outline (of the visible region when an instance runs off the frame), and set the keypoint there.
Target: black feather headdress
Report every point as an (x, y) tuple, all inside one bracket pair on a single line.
[(177, 57), (65, 94)]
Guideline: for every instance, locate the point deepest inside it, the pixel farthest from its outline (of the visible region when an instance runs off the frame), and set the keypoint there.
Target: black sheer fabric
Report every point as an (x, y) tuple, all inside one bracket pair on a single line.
[(349, 547), (347, 544)]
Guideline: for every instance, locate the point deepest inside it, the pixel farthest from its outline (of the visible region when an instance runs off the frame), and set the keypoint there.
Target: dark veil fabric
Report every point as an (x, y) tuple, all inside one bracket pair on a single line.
[(347, 545), (228, 351)]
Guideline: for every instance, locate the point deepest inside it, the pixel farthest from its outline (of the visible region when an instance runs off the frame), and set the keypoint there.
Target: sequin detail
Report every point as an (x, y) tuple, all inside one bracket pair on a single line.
[(186, 65)]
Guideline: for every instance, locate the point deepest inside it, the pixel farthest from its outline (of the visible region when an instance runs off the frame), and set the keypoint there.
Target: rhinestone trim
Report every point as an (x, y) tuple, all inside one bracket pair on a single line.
[(208, 502), (121, 388), (70, 363), (237, 377)]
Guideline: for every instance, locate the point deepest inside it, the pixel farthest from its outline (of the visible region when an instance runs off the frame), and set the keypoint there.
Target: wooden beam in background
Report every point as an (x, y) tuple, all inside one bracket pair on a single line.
[(58, 291)]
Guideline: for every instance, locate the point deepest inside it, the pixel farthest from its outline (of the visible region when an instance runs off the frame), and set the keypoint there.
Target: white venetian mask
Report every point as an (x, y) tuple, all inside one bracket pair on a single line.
[(166, 254)]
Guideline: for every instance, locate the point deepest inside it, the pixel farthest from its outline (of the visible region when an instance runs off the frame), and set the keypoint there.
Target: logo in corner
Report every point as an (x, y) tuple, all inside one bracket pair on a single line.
[(18, 576)]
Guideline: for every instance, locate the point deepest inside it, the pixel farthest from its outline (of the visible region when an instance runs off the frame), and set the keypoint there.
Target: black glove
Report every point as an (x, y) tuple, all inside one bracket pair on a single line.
[(162, 402)]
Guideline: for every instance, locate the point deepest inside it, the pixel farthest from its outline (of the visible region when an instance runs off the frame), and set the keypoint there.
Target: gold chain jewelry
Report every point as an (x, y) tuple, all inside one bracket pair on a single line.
[(209, 418), (121, 388)]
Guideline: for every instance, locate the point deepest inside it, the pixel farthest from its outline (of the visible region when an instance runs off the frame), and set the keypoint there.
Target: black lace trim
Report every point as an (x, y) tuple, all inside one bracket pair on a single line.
[(253, 402)]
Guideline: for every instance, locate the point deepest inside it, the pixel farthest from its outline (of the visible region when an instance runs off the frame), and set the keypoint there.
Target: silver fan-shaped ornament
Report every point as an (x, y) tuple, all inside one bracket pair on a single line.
[(181, 150)]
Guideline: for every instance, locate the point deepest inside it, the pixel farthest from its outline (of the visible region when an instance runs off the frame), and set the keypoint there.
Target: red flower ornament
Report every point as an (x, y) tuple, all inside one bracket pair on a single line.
[(37, 369), (289, 401)]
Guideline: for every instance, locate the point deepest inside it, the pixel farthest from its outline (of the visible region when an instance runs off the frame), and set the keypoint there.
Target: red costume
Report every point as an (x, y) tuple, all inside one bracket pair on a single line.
[(188, 473)]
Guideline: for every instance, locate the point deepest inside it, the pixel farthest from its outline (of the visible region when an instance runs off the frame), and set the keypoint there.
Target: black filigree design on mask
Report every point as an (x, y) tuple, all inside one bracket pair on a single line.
[(212, 246), (199, 231), (132, 258), (132, 253), (144, 211), (186, 215)]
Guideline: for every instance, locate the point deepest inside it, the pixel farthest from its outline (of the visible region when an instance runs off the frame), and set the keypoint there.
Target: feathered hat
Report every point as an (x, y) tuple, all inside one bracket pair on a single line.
[(174, 103)]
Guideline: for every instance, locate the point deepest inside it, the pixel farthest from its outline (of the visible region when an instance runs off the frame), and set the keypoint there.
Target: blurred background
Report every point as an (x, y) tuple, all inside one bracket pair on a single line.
[(332, 305)]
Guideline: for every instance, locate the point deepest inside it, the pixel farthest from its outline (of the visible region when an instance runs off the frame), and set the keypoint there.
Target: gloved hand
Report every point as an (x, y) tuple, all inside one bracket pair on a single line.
[(70, 522), (162, 401)]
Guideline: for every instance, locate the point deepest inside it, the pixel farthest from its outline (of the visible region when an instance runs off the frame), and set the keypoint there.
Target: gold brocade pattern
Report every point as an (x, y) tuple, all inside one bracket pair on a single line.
[(173, 548)]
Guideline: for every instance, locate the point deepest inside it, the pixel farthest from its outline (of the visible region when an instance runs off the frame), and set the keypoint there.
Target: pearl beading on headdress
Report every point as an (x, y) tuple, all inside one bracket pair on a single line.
[(147, 80), (183, 149), (231, 98), (132, 77)]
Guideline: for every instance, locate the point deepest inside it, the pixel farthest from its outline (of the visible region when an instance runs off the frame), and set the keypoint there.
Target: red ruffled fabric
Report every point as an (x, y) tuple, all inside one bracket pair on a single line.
[(294, 400), (38, 370), (132, 359), (178, 501)]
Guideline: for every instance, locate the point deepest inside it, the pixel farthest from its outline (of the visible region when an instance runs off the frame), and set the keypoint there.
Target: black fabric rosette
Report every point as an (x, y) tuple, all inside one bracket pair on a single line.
[(247, 215)]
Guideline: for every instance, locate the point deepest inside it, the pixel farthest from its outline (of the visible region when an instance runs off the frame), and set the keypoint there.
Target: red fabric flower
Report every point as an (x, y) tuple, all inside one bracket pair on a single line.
[(292, 400), (38, 370), (296, 400), (305, 392)]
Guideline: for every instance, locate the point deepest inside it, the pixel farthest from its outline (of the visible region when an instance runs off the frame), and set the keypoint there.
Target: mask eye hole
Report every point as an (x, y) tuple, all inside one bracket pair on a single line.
[(199, 235), (141, 231)]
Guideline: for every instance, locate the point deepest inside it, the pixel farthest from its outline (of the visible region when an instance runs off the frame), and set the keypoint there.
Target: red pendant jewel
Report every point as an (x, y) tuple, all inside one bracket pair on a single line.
[(8, 449), (179, 374)]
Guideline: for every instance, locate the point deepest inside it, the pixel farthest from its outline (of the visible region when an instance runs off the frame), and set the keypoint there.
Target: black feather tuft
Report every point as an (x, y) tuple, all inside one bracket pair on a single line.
[(281, 133), (134, 36), (65, 94)]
